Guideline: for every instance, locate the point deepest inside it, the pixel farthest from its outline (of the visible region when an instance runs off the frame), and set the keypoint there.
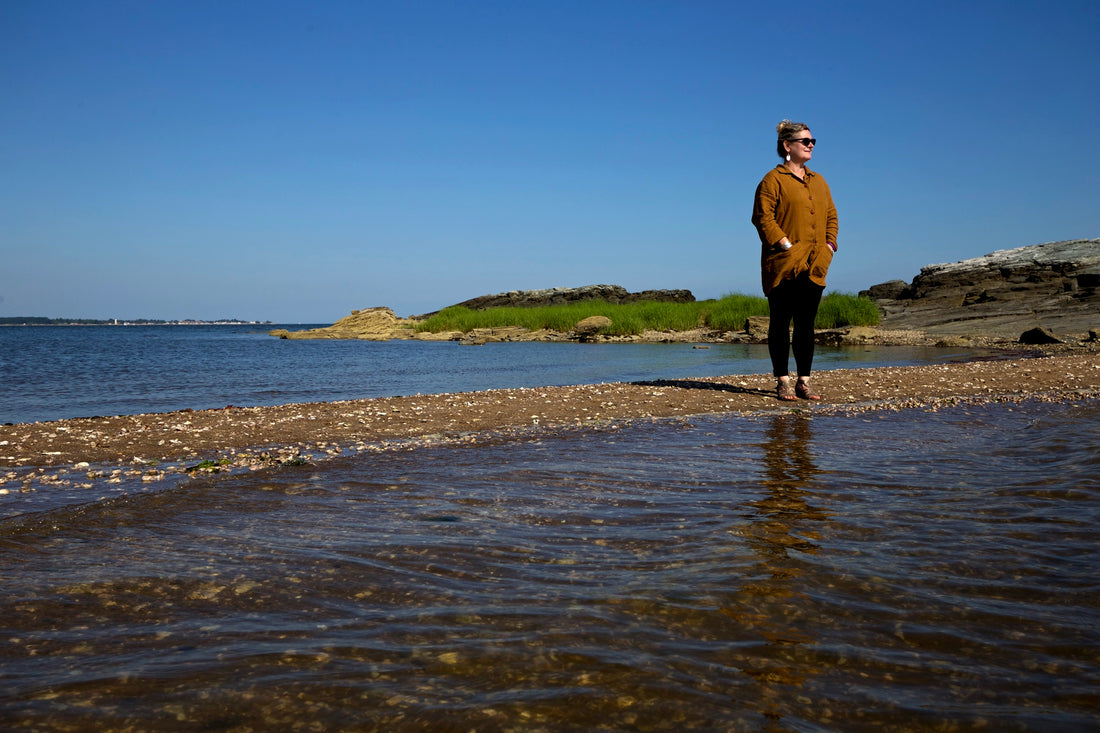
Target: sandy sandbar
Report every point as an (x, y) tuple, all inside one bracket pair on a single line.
[(153, 446)]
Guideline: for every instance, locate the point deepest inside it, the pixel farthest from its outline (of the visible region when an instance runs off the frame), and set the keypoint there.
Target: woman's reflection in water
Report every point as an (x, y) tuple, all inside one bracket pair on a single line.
[(769, 608)]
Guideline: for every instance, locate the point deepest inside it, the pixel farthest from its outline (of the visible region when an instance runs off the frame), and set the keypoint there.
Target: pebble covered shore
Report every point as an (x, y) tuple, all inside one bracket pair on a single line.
[(149, 448)]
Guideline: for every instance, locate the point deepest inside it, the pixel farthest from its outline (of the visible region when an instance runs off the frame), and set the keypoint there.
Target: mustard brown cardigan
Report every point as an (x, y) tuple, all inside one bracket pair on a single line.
[(803, 212)]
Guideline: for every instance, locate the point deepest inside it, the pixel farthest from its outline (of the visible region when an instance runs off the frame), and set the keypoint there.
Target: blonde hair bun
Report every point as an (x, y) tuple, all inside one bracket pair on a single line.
[(787, 128)]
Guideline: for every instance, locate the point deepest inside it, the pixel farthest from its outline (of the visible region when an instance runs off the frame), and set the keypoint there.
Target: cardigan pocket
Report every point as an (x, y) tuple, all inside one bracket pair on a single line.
[(782, 262), (819, 262)]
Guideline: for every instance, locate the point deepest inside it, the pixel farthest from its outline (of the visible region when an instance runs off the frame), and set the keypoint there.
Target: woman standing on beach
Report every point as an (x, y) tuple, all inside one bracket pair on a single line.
[(794, 215)]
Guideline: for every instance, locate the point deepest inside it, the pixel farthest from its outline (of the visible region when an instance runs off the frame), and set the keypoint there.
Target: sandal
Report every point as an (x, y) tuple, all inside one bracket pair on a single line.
[(784, 391), (803, 391)]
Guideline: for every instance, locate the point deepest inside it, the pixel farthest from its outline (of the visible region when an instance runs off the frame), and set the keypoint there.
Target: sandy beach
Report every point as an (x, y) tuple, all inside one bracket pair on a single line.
[(155, 446)]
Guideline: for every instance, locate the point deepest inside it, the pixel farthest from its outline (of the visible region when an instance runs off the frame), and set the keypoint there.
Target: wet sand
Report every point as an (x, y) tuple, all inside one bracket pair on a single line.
[(153, 446)]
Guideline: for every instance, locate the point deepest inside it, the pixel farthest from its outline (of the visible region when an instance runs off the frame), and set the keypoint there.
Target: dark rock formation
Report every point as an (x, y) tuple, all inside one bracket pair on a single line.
[(887, 290), (1038, 336), (1053, 286), (558, 296)]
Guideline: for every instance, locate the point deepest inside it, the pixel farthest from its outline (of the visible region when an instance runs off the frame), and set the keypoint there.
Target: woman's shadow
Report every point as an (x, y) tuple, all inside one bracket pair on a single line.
[(698, 384)]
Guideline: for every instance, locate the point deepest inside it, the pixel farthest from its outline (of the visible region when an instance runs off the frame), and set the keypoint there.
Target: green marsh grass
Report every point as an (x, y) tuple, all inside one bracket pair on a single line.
[(838, 310), (728, 313)]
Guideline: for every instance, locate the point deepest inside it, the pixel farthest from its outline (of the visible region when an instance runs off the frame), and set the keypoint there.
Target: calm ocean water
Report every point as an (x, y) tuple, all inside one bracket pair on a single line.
[(884, 571), (50, 373), (890, 571)]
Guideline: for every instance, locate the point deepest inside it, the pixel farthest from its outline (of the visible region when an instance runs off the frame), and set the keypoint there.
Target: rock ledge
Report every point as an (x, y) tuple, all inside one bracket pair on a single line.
[(1053, 286)]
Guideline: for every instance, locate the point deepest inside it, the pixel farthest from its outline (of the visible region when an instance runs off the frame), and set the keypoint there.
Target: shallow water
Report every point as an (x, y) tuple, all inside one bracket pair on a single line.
[(57, 372), (905, 571)]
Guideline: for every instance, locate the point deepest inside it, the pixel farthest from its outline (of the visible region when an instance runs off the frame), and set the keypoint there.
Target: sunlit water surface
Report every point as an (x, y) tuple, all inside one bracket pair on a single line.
[(56, 372), (904, 571)]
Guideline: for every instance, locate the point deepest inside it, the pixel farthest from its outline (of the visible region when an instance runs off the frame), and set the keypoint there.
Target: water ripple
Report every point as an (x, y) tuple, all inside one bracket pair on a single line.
[(906, 571)]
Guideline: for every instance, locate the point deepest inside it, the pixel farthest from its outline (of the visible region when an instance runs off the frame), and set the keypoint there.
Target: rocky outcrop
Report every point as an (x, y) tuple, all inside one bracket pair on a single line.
[(587, 328), (479, 336), (559, 296), (369, 324), (381, 324), (1046, 294), (1054, 287)]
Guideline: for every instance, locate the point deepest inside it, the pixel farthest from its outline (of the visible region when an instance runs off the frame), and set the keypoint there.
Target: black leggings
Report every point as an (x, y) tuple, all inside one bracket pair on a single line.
[(795, 300)]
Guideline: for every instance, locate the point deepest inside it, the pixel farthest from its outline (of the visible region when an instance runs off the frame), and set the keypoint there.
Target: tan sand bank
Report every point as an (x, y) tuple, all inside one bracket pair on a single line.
[(152, 445)]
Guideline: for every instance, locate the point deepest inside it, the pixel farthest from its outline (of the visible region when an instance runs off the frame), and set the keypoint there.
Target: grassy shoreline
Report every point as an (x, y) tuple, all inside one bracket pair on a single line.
[(728, 313)]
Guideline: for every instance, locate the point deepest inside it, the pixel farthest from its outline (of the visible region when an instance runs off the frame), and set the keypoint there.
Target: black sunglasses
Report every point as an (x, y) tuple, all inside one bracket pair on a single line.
[(807, 141)]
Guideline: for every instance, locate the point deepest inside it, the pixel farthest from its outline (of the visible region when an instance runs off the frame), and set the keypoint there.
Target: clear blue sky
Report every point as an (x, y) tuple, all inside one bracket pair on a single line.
[(292, 161)]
